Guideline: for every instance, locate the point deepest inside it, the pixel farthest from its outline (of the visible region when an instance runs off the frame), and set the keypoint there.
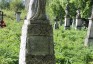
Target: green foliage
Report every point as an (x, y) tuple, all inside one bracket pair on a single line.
[(10, 38), (4, 4), (69, 47), (57, 8), (16, 5)]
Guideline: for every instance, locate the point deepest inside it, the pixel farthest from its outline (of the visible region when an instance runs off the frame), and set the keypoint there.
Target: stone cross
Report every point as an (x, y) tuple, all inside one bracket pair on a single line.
[(37, 45)]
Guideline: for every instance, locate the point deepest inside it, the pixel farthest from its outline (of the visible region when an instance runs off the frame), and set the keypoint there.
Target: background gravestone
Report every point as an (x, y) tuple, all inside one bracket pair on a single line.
[(89, 37), (78, 20), (37, 45), (18, 16), (67, 17), (56, 24)]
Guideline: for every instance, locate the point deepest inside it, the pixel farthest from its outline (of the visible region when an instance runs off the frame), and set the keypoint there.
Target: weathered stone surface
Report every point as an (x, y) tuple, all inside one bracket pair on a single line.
[(67, 23), (40, 29), (39, 59), (39, 45), (22, 54), (78, 23)]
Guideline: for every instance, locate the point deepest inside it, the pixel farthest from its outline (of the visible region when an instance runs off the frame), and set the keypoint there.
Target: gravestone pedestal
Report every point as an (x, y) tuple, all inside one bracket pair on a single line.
[(39, 46), (78, 23), (67, 23), (89, 37)]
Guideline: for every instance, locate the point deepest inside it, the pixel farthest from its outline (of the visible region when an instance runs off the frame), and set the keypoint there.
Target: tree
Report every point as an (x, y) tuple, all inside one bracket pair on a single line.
[(16, 5), (4, 4)]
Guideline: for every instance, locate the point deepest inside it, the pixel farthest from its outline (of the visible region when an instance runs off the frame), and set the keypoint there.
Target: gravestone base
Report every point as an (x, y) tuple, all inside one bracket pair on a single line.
[(39, 45), (78, 23), (40, 59), (67, 27), (67, 23)]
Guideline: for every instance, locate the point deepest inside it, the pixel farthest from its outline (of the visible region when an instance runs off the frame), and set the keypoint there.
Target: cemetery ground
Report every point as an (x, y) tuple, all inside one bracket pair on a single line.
[(69, 44)]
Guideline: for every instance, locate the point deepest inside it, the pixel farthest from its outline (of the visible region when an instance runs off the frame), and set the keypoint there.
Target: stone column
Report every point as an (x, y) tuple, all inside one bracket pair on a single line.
[(37, 45), (67, 18), (78, 20), (89, 37)]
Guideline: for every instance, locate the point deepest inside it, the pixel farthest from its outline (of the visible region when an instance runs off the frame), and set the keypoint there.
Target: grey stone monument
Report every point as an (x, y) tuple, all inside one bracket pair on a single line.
[(37, 45), (89, 37), (18, 16), (78, 20), (67, 18)]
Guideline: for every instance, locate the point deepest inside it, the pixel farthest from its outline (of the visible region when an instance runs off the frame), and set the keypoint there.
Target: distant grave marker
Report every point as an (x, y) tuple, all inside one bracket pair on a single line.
[(56, 25), (67, 17), (78, 20), (18, 16)]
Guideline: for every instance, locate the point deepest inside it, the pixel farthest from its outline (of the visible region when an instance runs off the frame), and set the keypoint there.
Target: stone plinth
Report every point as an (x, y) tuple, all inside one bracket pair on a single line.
[(37, 45), (67, 23), (78, 23), (89, 37)]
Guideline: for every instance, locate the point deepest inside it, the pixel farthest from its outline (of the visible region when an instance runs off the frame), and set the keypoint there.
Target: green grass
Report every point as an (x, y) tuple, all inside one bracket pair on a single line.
[(10, 39), (69, 47), (69, 44)]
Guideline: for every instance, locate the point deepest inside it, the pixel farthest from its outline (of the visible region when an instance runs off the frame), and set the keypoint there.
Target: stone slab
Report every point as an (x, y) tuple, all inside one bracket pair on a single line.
[(39, 45)]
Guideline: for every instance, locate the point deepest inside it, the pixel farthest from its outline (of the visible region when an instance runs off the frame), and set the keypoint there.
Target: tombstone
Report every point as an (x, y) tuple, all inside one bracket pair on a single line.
[(67, 18), (61, 22), (78, 20), (73, 23), (18, 16), (56, 24), (37, 45), (89, 37)]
